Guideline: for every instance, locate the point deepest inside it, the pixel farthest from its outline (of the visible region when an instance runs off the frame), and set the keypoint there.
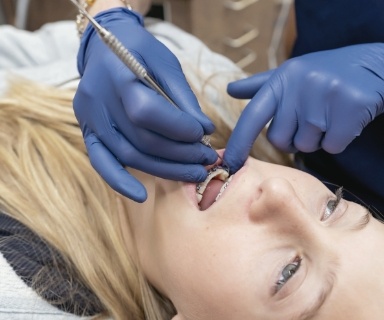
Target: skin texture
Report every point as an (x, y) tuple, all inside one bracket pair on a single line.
[(224, 262)]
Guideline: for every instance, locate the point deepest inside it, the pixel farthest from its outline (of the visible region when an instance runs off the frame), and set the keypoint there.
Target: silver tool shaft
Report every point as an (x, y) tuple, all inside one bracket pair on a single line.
[(131, 62)]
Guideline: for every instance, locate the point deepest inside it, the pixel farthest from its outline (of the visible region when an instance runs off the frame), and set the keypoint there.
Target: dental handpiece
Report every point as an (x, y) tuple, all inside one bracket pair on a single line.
[(131, 62)]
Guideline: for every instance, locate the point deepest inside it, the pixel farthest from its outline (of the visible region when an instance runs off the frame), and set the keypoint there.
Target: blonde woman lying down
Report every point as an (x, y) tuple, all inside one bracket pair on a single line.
[(33, 109), (271, 243)]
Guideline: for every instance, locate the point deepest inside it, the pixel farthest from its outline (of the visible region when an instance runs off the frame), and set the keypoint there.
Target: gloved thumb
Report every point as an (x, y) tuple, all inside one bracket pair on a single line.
[(248, 87)]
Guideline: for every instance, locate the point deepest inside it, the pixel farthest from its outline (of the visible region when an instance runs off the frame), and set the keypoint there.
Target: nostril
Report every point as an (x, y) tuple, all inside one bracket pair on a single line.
[(274, 196)]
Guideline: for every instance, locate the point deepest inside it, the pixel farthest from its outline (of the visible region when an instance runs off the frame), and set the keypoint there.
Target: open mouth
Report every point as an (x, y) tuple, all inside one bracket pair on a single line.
[(212, 188)]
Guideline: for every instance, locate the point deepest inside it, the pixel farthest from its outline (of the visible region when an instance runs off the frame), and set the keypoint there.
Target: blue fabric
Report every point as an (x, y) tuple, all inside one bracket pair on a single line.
[(329, 24)]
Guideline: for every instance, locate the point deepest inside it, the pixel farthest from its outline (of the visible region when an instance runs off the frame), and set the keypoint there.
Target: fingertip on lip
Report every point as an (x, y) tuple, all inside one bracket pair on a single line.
[(219, 160), (220, 152)]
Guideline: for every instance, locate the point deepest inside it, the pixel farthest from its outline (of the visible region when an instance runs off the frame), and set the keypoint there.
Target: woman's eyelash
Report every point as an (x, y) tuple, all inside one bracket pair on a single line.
[(287, 273), (291, 268), (332, 204)]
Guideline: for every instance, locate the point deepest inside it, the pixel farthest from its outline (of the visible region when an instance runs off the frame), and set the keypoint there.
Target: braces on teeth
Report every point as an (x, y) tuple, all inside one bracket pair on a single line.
[(216, 172), (225, 185)]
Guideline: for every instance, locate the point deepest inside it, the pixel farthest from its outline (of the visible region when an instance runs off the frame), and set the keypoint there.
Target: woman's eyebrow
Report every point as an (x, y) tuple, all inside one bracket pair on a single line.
[(324, 293)]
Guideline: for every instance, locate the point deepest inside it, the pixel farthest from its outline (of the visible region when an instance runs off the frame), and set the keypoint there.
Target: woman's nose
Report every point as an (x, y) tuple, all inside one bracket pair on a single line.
[(279, 206)]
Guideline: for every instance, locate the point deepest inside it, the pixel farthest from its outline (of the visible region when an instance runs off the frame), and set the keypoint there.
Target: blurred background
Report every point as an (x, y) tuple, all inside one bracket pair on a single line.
[(256, 34)]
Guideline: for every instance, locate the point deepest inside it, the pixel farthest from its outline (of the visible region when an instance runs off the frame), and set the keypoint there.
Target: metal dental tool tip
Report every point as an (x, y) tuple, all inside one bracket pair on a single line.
[(131, 62), (206, 141)]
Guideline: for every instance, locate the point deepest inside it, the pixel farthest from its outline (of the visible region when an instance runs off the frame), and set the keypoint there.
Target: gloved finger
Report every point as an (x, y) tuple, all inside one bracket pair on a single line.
[(253, 119), (186, 100), (247, 88), (166, 169), (129, 156), (285, 122), (307, 138), (281, 133), (158, 146), (340, 134), (168, 73), (151, 143), (338, 137), (109, 168), (336, 144), (147, 109)]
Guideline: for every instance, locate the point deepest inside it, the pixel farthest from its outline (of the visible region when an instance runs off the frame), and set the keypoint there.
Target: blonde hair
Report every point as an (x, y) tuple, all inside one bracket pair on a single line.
[(48, 184)]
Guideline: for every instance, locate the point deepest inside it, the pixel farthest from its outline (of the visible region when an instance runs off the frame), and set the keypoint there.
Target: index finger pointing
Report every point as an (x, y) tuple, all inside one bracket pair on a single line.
[(253, 119)]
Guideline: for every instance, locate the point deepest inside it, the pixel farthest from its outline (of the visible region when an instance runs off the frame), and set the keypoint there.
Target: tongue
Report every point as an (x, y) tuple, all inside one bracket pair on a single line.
[(210, 193)]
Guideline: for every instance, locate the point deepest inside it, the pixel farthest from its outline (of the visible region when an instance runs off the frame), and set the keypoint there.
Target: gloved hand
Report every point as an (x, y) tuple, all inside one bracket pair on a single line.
[(126, 123), (319, 100)]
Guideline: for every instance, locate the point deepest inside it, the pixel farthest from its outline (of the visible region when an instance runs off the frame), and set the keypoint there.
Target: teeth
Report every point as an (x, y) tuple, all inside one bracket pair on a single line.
[(215, 172), (225, 185)]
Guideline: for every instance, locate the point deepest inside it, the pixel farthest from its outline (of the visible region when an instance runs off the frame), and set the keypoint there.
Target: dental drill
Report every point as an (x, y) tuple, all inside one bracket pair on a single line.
[(131, 62)]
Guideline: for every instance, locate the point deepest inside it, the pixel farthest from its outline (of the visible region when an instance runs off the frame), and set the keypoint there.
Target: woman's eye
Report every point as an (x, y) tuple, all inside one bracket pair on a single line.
[(332, 204), (288, 271)]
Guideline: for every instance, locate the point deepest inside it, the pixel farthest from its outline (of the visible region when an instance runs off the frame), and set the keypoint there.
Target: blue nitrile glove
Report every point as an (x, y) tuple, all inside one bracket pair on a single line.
[(126, 123), (319, 100)]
